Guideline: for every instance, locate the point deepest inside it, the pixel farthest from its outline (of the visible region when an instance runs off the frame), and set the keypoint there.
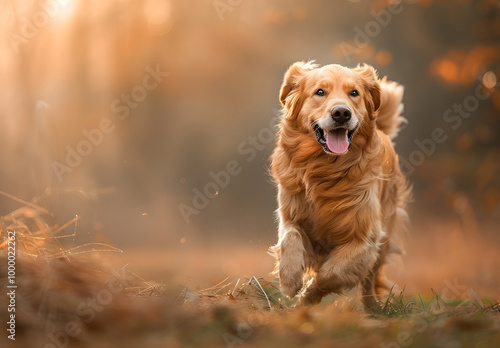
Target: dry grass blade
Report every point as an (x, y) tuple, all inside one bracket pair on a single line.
[(261, 289), (26, 203), (235, 286), (99, 247), (475, 299), (182, 296), (217, 288), (114, 274), (74, 220)]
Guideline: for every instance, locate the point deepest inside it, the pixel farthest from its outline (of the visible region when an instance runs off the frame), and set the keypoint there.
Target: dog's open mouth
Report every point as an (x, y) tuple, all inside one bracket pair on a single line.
[(335, 141)]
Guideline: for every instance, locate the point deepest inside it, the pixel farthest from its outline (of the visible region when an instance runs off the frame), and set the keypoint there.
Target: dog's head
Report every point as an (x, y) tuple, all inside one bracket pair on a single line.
[(332, 103)]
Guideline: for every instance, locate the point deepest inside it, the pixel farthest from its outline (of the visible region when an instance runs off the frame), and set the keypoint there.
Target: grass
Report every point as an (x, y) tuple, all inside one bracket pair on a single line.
[(399, 321), (60, 284)]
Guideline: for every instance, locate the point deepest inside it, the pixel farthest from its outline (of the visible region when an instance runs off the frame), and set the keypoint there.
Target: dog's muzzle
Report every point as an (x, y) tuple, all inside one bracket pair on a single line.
[(336, 141)]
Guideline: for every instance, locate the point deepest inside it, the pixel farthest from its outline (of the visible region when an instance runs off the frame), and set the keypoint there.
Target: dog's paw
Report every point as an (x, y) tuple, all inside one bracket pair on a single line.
[(291, 282), (290, 289), (311, 295)]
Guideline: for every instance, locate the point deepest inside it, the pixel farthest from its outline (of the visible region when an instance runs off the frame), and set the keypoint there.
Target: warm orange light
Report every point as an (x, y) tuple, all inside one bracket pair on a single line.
[(383, 57), (366, 52), (489, 80), (448, 70)]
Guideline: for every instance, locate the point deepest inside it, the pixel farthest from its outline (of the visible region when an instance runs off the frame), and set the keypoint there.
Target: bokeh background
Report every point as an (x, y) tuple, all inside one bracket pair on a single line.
[(64, 66)]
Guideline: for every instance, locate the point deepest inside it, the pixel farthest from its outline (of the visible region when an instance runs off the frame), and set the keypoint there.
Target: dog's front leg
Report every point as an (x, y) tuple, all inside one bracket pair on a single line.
[(289, 253), (346, 266)]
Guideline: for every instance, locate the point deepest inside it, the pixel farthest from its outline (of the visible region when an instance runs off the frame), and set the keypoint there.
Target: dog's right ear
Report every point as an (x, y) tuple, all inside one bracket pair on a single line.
[(292, 76)]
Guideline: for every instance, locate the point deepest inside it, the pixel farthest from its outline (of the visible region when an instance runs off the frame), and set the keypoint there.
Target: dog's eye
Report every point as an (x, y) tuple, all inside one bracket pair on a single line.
[(320, 92), (354, 93)]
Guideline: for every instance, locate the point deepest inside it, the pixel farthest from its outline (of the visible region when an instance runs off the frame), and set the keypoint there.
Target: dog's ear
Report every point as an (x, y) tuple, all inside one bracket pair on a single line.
[(292, 76), (372, 86)]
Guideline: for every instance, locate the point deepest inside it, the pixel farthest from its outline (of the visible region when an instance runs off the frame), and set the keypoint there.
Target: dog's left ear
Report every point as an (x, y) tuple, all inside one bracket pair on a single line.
[(372, 86)]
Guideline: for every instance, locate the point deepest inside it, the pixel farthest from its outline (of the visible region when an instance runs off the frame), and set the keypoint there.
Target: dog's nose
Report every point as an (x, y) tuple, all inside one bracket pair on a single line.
[(341, 114)]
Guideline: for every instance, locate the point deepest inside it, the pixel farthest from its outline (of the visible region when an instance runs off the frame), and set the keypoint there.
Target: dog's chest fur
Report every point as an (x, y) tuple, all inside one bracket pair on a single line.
[(340, 210)]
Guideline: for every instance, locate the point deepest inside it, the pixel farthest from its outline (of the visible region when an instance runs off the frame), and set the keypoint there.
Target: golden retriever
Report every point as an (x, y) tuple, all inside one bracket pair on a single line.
[(341, 194)]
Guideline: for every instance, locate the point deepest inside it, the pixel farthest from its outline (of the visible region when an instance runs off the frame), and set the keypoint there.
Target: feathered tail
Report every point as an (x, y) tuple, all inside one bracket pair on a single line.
[(389, 117)]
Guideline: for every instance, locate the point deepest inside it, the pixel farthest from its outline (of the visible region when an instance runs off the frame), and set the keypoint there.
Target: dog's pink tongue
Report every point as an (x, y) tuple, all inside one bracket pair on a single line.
[(337, 141)]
